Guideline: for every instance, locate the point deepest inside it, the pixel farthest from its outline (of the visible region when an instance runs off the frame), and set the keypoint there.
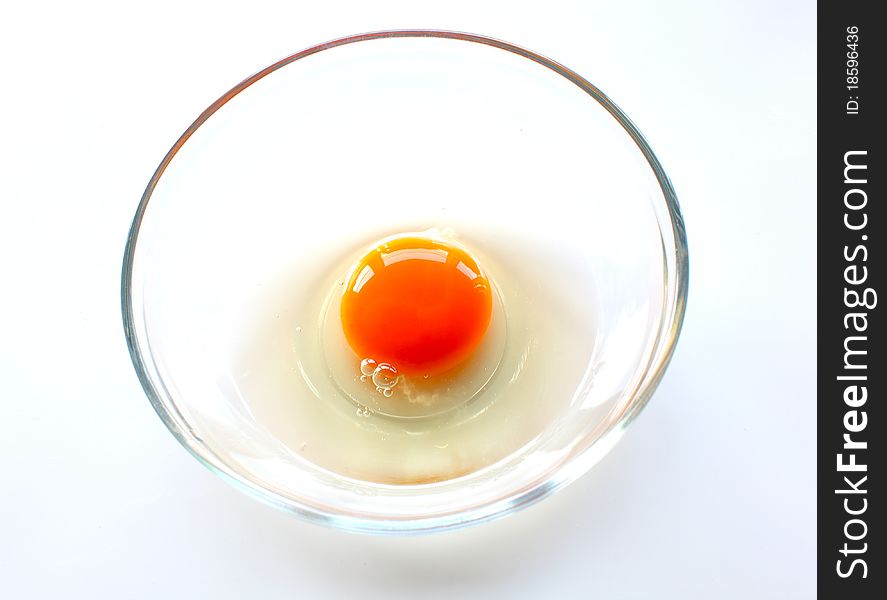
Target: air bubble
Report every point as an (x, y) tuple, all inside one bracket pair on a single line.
[(367, 367), (385, 377)]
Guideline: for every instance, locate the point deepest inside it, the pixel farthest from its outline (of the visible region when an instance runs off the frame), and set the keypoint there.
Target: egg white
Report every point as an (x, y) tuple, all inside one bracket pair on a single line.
[(304, 385)]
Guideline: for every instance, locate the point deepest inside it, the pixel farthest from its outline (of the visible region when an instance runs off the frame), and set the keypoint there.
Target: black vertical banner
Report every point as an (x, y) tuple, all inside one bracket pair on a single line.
[(852, 370)]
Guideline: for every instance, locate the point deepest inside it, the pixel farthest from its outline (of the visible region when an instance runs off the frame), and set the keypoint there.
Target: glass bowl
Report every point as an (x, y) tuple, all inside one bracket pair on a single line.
[(383, 132)]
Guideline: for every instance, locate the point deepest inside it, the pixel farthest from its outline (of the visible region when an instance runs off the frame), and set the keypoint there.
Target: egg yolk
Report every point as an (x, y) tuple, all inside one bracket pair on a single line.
[(419, 304)]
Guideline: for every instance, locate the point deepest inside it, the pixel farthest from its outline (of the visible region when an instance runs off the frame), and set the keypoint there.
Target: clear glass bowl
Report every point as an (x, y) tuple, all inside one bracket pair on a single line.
[(375, 133)]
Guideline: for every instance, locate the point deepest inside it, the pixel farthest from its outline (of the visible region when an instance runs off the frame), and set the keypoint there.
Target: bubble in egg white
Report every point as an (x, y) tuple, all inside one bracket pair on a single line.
[(385, 377)]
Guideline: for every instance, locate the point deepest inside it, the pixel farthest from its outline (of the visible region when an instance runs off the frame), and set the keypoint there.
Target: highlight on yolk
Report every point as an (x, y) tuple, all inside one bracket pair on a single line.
[(419, 304)]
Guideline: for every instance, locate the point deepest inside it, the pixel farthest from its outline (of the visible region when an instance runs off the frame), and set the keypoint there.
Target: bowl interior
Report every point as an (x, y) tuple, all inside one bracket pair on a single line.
[(369, 136)]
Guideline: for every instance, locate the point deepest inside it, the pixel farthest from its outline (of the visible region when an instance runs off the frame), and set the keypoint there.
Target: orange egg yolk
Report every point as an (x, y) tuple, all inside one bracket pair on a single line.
[(419, 304)]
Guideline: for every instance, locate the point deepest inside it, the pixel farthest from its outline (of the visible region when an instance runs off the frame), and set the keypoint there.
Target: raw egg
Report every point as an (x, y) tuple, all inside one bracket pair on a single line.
[(421, 305)]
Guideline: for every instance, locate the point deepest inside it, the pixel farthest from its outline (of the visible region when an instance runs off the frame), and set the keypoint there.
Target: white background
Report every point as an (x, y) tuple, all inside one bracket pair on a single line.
[(709, 495)]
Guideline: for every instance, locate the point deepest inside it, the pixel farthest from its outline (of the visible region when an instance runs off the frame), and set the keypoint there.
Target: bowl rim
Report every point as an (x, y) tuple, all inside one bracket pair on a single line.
[(567, 471)]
